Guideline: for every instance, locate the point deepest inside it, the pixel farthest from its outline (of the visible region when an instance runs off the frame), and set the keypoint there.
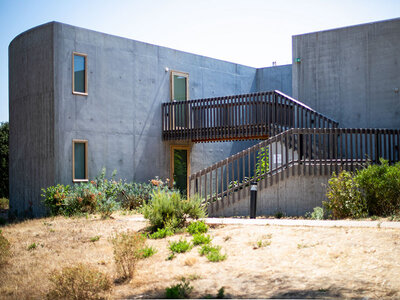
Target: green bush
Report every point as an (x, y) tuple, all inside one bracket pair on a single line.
[(161, 233), (147, 252), (78, 282), (179, 291), (380, 185), (4, 249), (180, 247), (317, 214), (197, 227), (169, 210), (4, 203), (212, 253), (128, 247), (345, 198), (200, 239), (54, 197)]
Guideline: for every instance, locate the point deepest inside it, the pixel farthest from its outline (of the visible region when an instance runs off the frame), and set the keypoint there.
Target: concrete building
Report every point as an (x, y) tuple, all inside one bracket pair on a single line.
[(81, 100)]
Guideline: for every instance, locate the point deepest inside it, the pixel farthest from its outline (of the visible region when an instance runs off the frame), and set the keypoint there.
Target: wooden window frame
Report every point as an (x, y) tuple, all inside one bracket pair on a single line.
[(73, 74), (171, 169), (179, 73), (86, 161)]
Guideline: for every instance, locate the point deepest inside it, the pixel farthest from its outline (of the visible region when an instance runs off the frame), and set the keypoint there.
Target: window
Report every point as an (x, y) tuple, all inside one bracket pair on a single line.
[(79, 73), (179, 86), (79, 160)]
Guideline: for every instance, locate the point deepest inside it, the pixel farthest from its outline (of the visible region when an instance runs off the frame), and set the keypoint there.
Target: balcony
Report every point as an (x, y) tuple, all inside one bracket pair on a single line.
[(239, 117)]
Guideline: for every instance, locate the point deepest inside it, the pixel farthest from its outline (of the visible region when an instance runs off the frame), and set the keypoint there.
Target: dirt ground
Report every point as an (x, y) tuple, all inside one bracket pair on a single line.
[(299, 262)]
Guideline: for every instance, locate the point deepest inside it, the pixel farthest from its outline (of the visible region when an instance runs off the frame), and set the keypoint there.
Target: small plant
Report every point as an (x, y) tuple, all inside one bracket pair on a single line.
[(32, 246), (197, 227), (221, 293), (180, 247), (317, 214), (179, 291), (95, 238), (212, 253), (4, 203), (147, 252), (262, 244), (279, 215), (161, 233), (127, 249), (199, 239), (4, 249), (78, 282)]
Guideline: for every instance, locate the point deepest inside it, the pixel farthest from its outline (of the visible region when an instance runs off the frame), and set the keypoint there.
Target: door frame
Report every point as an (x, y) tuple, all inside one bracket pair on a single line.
[(171, 169)]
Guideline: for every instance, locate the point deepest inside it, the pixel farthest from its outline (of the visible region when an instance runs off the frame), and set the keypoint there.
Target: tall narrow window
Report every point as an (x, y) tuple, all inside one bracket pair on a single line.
[(79, 74), (179, 94), (79, 160)]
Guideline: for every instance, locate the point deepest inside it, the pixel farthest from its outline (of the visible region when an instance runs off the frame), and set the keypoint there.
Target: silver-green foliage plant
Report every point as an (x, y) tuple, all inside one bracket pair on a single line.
[(345, 197), (170, 210), (317, 214)]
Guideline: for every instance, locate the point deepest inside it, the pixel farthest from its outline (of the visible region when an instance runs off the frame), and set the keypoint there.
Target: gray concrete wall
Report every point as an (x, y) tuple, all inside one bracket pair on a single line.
[(293, 196), (275, 78), (351, 74), (31, 92)]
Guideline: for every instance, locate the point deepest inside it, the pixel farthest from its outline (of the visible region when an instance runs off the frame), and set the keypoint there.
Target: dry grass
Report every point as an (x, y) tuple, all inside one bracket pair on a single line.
[(329, 263)]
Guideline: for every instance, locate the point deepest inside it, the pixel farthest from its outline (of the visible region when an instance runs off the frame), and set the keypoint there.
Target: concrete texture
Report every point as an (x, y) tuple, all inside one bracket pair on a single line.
[(275, 78), (293, 196), (351, 74), (121, 115)]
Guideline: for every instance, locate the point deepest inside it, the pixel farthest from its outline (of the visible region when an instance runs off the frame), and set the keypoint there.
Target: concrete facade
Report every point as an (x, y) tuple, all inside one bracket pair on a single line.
[(351, 74), (121, 115)]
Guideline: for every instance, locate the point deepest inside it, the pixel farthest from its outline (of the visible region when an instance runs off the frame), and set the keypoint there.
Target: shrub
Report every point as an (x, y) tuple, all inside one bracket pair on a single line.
[(32, 246), (4, 203), (127, 250), (180, 247), (199, 239), (380, 185), (345, 198), (179, 291), (78, 282), (197, 227), (54, 197), (161, 233), (262, 163), (4, 249), (212, 253), (317, 214), (169, 210), (95, 238), (147, 252)]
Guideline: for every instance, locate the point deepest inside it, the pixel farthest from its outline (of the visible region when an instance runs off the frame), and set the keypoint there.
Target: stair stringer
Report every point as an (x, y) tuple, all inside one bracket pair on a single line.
[(293, 195)]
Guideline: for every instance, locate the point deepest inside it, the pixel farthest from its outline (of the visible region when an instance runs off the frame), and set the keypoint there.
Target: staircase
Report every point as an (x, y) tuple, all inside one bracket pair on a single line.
[(299, 143)]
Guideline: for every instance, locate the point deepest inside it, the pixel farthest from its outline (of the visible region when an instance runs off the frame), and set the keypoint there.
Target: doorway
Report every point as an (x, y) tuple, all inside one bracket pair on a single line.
[(180, 168)]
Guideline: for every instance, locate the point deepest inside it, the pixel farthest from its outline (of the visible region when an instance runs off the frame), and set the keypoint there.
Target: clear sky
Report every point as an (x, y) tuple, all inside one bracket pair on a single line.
[(249, 32)]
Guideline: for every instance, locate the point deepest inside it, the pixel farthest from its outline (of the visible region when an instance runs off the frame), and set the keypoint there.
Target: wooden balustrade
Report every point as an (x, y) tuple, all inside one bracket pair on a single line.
[(317, 151), (238, 117)]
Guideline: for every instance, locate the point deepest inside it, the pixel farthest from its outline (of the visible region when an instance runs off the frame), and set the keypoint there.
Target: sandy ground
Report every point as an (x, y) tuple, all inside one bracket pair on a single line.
[(300, 262)]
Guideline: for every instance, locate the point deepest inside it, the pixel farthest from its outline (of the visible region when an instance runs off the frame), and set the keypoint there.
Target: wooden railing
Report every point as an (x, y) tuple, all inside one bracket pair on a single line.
[(238, 117), (318, 151)]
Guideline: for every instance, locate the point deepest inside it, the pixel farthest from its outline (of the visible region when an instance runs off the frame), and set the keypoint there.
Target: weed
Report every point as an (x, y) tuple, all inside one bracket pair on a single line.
[(197, 227), (78, 282), (4, 203), (317, 214), (374, 218), (4, 249), (95, 238), (161, 233), (147, 252), (221, 293), (199, 239), (171, 256), (212, 253), (180, 246), (32, 246), (127, 248), (227, 238), (279, 215), (262, 244), (179, 291)]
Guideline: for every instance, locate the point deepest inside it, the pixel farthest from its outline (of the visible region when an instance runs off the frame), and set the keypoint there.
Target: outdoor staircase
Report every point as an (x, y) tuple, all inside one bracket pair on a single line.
[(298, 142)]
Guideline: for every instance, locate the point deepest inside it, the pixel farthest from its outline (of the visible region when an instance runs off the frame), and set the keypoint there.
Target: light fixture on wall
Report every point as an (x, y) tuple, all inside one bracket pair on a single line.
[(298, 60), (166, 69)]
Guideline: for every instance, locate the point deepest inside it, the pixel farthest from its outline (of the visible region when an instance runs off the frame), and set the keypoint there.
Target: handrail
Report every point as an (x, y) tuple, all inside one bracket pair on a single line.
[(318, 151), (246, 116)]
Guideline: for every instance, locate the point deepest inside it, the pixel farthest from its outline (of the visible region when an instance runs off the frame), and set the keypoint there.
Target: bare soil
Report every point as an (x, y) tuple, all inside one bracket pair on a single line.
[(299, 262)]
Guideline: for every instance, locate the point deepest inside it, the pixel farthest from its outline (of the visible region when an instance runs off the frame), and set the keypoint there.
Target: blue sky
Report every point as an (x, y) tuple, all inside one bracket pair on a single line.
[(249, 32)]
